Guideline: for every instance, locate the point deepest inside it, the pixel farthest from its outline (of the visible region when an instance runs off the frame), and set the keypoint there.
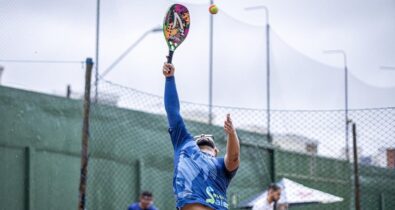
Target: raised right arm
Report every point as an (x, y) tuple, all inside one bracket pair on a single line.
[(178, 133), (172, 103)]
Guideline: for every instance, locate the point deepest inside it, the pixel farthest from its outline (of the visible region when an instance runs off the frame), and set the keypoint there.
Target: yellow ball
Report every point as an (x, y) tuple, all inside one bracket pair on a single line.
[(213, 9)]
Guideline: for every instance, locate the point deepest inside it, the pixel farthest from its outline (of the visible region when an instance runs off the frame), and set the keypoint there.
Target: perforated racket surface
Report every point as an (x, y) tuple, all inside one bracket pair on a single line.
[(176, 27)]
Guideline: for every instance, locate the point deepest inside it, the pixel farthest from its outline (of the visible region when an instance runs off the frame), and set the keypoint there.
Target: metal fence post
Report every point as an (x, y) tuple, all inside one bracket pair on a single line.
[(85, 136), (356, 170)]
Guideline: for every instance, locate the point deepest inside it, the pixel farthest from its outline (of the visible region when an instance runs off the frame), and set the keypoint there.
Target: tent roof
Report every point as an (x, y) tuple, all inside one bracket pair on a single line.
[(294, 193)]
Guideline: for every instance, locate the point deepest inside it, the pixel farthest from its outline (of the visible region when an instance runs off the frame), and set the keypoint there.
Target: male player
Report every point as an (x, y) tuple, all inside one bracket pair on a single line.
[(273, 195), (200, 177), (145, 203)]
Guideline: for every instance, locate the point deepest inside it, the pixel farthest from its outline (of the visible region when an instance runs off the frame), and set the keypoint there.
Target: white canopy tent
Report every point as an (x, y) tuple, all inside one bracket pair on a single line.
[(294, 193)]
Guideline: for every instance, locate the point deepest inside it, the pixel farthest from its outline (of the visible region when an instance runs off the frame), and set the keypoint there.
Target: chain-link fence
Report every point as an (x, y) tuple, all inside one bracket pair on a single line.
[(40, 149), (131, 152)]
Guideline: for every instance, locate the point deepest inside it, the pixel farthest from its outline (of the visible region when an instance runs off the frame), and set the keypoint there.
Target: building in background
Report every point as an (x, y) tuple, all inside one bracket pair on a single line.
[(361, 155), (380, 159), (365, 160), (296, 143), (391, 158), (385, 157), (253, 127)]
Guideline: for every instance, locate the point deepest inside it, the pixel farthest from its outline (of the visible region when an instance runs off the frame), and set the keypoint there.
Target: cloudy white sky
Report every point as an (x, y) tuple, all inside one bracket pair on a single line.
[(302, 76)]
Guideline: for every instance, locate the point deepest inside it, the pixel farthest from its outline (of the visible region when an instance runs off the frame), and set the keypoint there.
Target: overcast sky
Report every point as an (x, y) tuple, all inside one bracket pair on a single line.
[(302, 76)]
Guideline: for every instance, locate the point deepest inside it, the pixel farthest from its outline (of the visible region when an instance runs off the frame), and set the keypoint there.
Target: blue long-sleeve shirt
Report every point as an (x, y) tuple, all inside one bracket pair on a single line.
[(136, 206), (198, 177), (172, 103)]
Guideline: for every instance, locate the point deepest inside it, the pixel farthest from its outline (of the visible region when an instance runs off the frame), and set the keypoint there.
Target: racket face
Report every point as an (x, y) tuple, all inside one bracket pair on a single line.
[(176, 25)]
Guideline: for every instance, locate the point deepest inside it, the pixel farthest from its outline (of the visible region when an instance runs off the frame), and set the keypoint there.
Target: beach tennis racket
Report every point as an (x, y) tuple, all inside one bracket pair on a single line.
[(176, 27)]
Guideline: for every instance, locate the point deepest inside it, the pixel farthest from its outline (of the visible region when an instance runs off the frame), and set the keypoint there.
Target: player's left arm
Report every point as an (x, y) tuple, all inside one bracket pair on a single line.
[(232, 156)]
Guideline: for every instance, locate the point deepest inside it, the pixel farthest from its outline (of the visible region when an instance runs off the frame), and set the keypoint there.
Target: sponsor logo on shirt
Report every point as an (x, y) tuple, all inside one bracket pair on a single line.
[(215, 198)]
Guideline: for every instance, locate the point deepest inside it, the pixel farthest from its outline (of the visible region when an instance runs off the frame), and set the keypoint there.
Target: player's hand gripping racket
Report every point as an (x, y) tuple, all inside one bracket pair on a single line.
[(176, 27)]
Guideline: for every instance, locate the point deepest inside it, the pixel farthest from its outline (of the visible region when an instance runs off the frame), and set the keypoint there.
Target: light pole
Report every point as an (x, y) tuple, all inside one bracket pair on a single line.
[(347, 120), (343, 53), (127, 51), (267, 66), (210, 85), (97, 49)]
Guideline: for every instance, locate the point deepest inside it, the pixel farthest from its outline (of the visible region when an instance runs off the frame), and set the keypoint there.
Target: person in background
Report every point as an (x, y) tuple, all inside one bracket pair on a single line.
[(145, 203), (273, 195)]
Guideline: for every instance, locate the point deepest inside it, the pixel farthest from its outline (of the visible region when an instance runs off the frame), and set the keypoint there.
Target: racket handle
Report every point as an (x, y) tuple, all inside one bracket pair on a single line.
[(170, 56)]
